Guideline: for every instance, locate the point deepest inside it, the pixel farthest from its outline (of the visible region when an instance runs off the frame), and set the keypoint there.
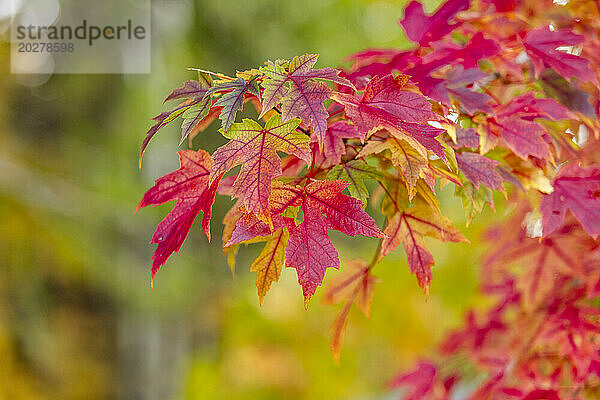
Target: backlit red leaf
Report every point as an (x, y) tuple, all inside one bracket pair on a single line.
[(541, 45), (576, 189), (480, 169), (255, 148), (311, 252), (189, 187), (409, 227), (385, 103), (423, 29)]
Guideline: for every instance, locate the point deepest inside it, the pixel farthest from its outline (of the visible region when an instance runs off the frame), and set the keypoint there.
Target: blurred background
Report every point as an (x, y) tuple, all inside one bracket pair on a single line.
[(77, 317)]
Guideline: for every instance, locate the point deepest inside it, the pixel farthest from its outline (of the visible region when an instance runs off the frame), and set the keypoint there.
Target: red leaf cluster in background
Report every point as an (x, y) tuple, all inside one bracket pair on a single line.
[(496, 95), (541, 338)]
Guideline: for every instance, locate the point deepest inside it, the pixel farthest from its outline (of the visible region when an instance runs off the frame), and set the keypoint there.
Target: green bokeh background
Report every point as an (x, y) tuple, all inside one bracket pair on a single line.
[(77, 317)]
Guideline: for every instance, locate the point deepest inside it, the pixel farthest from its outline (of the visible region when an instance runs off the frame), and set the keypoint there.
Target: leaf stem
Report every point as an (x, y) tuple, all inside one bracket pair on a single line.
[(389, 195), (217, 74), (375, 258), (492, 95), (312, 167)]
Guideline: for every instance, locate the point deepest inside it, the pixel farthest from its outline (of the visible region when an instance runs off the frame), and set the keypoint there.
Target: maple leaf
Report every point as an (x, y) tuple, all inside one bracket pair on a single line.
[(480, 169), (524, 138), (423, 29), (356, 285), (310, 250), (189, 186), (577, 189), (232, 100), (541, 45), (269, 263), (255, 148), (403, 156), (355, 172), (298, 92), (343, 213), (385, 103), (409, 227), (420, 381)]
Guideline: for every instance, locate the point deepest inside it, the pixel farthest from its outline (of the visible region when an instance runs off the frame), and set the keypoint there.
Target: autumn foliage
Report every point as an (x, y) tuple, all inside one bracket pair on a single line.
[(494, 96)]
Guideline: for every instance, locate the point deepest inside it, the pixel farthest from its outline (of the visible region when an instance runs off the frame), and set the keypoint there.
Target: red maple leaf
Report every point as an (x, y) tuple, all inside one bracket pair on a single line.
[(420, 381), (410, 227), (309, 250), (255, 148), (423, 29), (576, 189), (190, 188), (480, 169), (355, 285), (541, 45), (386, 103), (523, 137)]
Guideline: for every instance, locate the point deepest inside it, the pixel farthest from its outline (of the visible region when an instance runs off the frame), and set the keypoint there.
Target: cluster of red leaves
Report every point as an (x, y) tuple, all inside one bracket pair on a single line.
[(541, 337), (494, 92)]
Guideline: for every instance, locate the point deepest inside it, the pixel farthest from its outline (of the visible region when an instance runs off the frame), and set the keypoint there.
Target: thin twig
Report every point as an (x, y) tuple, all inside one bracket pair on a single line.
[(217, 74)]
